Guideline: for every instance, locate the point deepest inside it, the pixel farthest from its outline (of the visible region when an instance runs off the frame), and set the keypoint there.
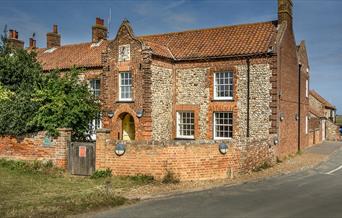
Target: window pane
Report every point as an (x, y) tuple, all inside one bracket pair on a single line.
[(223, 125), (223, 84), (126, 85), (95, 87), (185, 124)]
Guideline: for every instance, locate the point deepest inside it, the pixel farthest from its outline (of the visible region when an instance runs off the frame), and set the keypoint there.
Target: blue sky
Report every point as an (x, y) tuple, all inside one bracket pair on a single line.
[(319, 22)]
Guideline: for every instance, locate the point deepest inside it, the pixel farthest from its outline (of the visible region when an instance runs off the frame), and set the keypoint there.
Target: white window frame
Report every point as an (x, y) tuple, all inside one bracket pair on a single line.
[(228, 125), (307, 88), (179, 135), (230, 74), (306, 124), (94, 90), (125, 85), (94, 127)]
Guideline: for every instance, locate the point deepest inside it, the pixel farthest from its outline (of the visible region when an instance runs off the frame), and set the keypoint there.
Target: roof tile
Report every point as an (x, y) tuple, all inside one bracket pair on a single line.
[(65, 57), (223, 41), (321, 99)]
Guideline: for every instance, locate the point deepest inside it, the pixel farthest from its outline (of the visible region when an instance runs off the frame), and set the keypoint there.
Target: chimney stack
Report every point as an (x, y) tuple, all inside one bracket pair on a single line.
[(13, 39), (53, 39), (285, 11), (33, 43), (99, 30)]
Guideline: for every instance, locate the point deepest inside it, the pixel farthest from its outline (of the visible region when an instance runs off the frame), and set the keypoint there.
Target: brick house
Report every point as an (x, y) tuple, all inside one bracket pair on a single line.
[(173, 98)]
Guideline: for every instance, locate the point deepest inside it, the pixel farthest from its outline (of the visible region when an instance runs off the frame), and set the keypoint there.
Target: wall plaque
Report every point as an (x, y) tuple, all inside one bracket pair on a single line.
[(82, 151)]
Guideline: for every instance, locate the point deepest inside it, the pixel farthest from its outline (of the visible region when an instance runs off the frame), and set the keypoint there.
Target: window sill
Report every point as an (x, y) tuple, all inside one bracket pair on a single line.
[(222, 99), (222, 139), (181, 138), (124, 101)]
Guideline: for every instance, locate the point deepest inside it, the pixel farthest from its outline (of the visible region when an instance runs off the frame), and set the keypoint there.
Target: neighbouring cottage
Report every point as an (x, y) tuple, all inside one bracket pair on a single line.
[(322, 119), (172, 100)]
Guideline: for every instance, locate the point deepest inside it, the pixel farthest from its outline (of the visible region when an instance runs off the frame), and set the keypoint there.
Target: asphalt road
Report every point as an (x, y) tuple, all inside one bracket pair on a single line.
[(311, 193)]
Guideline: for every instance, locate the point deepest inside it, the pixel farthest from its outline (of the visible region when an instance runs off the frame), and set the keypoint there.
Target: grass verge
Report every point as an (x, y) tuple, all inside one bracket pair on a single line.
[(36, 189), (339, 120)]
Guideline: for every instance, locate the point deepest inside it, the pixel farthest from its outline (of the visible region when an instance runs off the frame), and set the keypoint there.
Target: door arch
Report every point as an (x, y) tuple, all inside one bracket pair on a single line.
[(128, 127)]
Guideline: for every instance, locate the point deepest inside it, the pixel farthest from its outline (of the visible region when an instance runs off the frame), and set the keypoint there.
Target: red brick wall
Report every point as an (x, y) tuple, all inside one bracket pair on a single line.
[(288, 81), (303, 60), (315, 137), (187, 160), (32, 148), (141, 97)]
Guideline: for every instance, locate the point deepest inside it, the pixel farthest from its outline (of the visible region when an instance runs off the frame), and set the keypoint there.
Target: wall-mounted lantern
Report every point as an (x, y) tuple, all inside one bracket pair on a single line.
[(140, 113), (297, 117), (281, 116), (120, 149), (275, 141), (110, 114), (223, 148)]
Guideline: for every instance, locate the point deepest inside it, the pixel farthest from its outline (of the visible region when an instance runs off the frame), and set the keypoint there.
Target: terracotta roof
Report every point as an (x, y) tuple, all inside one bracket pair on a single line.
[(159, 49), (245, 39), (67, 56), (322, 100), (315, 112), (235, 40)]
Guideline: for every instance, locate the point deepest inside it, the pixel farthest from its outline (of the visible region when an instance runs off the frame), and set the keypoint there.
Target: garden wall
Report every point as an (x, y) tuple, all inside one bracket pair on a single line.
[(188, 160), (37, 147), (332, 131), (315, 136)]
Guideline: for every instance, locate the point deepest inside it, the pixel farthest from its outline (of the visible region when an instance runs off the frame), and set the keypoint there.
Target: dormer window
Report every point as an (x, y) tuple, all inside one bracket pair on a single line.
[(124, 53)]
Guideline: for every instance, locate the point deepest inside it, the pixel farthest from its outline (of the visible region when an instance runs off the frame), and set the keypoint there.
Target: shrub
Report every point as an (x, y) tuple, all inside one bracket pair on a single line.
[(279, 160), (5, 94), (170, 178), (101, 174), (32, 167), (263, 166), (142, 179)]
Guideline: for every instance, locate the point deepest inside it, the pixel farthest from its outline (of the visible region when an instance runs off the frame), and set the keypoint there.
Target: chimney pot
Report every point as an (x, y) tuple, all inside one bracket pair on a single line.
[(99, 30), (10, 34), (285, 11), (99, 21), (55, 28), (13, 39), (53, 39), (32, 43)]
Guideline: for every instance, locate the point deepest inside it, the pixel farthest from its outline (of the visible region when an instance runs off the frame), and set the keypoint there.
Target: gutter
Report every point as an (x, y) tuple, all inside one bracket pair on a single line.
[(248, 94), (299, 99), (250, 55)]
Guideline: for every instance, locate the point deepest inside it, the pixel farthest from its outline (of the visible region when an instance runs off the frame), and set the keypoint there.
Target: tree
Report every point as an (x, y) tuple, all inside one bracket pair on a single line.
[(5, 94), (20, 74), (31, 100), (16, 113), (19, 69), (66, 102)]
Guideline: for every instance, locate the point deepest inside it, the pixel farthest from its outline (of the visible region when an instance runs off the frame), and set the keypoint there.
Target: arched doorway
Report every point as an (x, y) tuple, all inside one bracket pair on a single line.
[(128, 128)]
